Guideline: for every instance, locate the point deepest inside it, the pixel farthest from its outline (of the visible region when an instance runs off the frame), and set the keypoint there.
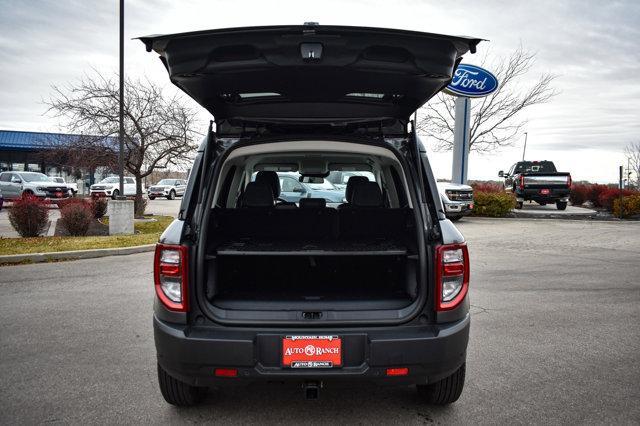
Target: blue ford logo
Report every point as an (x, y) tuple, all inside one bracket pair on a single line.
[(472, 81)]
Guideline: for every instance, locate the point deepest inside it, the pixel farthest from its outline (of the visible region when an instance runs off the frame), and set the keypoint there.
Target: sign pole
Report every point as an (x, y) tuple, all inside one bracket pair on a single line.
[(621, 187), (468, 81), (461, 140), (121, 101)]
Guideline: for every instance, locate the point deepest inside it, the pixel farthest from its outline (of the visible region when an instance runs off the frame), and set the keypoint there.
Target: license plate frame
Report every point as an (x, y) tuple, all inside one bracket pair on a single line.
[(304, 352)]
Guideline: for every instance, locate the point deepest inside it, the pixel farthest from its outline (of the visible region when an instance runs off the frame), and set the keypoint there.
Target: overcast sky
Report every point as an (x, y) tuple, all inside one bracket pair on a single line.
[(592, 45)]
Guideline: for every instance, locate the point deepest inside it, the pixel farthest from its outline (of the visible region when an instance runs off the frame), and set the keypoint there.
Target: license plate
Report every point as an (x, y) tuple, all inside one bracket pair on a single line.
[(544, 191), (311, 351), (58, 194)]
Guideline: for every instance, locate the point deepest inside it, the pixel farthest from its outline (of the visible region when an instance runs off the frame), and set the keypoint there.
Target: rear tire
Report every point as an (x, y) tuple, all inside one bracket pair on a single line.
[(519, 205), (172, 195), (179, 393), (561, 205), (455, 218), (445, 391), (151, 197)]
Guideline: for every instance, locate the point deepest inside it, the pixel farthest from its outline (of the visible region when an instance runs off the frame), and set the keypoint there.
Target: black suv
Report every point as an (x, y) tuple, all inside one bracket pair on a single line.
[(251, 287)]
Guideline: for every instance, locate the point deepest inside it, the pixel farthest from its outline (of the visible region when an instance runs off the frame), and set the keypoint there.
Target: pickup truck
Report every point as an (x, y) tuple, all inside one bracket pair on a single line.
[(73, 187), (16, 184), (457, 200), (537, 181)]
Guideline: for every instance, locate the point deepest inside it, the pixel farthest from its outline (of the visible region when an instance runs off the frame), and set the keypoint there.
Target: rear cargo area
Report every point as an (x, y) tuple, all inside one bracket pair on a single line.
[(311, 259)]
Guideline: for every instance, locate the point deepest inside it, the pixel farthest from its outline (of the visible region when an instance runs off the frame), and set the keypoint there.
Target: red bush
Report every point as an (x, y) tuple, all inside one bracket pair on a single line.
[(594, 192), (606, 198), (579, 194), (600, 195), (488, 187), (99, 206), (76, 218), (29, 216), (72, 200)]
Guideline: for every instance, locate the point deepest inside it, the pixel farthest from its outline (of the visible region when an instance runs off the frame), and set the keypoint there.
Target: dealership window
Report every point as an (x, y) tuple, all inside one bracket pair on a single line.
[(4, 166), (17, 167), (33, 167)]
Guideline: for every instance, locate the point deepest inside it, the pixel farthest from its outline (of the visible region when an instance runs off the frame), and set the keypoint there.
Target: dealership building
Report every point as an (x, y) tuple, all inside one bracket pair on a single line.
[(24, 151)]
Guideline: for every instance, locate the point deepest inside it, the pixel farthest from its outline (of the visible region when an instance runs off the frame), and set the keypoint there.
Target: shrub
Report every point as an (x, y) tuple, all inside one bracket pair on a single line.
[(606, 198), (488, 187), (630, 206), (579, 194), (29, 216), (76, 218), (493, 204), (139, 206), (69, 201), (594, 192), (99, 207)]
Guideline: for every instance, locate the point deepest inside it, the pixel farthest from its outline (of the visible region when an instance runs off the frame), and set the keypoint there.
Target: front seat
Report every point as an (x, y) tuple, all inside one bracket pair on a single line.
[(348, 192), (367, 194), (271, 179), (257, 195)]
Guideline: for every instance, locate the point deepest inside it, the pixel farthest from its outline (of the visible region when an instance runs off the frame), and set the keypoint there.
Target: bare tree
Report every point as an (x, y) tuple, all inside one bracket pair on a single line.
[(632, 152), (495, 119), (158, 129)]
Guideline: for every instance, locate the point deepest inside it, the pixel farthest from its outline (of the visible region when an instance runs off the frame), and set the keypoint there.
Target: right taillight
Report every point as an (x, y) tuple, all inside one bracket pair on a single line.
[(521, 181), (452, 275), (569, 181), (171, 276)]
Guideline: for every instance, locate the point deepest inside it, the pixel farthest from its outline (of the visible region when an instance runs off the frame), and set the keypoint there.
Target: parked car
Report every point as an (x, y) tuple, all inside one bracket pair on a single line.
[(15, 184), (457, 199), (292, 189), (249, 288), (537, 181), (168, 188), (73, 187), (339, 179), (110, 187)]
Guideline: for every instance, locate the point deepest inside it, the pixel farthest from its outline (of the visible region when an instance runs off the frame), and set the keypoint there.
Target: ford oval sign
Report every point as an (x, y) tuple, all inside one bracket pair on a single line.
[(472, 81)]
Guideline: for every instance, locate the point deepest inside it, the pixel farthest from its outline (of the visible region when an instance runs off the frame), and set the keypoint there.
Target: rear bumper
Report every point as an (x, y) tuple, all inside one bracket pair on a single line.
[(192, 354), (535, 195)]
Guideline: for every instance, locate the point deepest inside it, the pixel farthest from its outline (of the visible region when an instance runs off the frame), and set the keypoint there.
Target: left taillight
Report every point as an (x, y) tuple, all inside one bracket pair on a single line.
[(170, 271), (452, 275)]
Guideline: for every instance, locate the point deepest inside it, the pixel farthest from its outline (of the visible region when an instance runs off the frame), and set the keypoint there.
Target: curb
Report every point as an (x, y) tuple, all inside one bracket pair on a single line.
[(74, 254)]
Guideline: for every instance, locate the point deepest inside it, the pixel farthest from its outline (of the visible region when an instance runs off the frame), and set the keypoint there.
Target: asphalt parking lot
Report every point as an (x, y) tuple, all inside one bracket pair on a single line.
[(555, 339)]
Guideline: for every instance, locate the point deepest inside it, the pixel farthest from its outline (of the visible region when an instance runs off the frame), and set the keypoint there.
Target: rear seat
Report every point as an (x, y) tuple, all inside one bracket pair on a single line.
[(365, 218)]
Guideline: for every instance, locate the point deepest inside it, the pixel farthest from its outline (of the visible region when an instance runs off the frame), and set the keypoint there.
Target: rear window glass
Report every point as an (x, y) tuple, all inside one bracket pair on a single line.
[(536, 167)]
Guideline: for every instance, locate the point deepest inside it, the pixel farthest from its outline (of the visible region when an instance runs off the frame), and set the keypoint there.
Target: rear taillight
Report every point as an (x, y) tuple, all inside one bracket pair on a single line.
[(171, 276), (452, 275), (569, 181), (521, 182)]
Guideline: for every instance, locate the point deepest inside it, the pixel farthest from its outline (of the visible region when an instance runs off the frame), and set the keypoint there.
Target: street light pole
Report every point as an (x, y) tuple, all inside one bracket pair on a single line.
[(525, 145), (121, 118)]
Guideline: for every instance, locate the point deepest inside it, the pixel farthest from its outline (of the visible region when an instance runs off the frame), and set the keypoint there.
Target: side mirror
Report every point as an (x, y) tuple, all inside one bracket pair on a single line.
[(501, 173), (16, 180), (298, 189)]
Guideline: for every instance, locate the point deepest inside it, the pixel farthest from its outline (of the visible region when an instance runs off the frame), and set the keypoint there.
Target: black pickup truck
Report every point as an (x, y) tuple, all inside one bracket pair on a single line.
[(537, 181)]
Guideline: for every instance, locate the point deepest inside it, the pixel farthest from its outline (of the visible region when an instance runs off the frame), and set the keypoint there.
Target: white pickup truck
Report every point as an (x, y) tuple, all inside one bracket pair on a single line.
[(71, 186)]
